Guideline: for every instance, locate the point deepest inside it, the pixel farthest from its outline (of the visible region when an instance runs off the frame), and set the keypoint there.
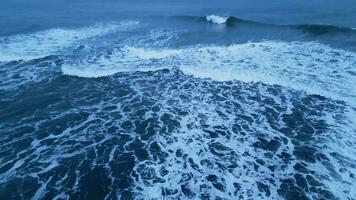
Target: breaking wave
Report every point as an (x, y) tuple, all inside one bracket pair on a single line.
[(317, 29), (307, 66), (217, 19)]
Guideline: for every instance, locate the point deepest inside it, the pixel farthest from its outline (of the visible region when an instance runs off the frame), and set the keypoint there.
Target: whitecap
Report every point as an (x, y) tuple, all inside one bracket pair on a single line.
[(217, 19)]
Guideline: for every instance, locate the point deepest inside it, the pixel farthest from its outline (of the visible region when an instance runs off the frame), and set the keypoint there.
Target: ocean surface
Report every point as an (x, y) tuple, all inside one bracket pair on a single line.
[(168, 99)]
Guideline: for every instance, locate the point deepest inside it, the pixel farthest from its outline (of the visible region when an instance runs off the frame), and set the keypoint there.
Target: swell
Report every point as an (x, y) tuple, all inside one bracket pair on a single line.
[(316, 29)]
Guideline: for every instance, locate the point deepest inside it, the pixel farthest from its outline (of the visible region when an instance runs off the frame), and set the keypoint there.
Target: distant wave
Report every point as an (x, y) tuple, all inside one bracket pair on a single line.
[(232, 21), (217, 19)]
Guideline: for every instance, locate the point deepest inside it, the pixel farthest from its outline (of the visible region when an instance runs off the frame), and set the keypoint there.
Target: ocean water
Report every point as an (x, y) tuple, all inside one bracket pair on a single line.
[(178, 99)]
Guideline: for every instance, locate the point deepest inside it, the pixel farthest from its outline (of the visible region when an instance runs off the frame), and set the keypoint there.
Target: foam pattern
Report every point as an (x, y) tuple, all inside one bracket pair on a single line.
[(51, 42), (308, 66), (166, 134)]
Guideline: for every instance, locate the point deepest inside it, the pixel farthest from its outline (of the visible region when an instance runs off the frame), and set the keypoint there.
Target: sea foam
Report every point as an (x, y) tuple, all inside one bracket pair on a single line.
[(308, 66), (49, 42)]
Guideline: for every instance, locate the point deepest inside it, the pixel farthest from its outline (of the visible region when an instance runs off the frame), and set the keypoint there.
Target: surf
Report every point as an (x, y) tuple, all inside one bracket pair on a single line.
[(51, 42), (306, 66)]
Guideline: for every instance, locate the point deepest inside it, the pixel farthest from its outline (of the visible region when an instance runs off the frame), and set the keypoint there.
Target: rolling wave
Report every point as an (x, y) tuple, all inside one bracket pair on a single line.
[(235, 21), (217, 19), (307, 66)]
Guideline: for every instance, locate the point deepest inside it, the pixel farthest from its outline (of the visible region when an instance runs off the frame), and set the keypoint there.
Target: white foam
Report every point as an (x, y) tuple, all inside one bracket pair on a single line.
[(125, 59), (312, 67), (151, 53), (49, 42), (308, 66), (41, 190), (155, 38), (217, 19), (195, 144)]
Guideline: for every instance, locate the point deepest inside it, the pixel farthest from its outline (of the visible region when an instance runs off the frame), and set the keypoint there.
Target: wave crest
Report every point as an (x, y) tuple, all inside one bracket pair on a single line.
[(217, 19), (315, 29)]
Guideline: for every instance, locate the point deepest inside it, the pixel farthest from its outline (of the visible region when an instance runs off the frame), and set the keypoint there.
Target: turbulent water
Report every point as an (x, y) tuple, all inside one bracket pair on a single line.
[(197, 103)]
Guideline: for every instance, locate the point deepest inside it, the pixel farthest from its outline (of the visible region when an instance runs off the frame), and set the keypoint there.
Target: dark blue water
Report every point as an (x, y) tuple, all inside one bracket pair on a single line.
[(177, 99)]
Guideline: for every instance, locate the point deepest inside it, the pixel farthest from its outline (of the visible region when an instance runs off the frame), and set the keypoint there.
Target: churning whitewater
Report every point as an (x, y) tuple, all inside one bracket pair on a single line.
[(130, 110)]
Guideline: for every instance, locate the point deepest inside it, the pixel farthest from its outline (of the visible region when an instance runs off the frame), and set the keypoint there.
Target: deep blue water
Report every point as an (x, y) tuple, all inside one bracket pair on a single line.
[(177, 99)]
